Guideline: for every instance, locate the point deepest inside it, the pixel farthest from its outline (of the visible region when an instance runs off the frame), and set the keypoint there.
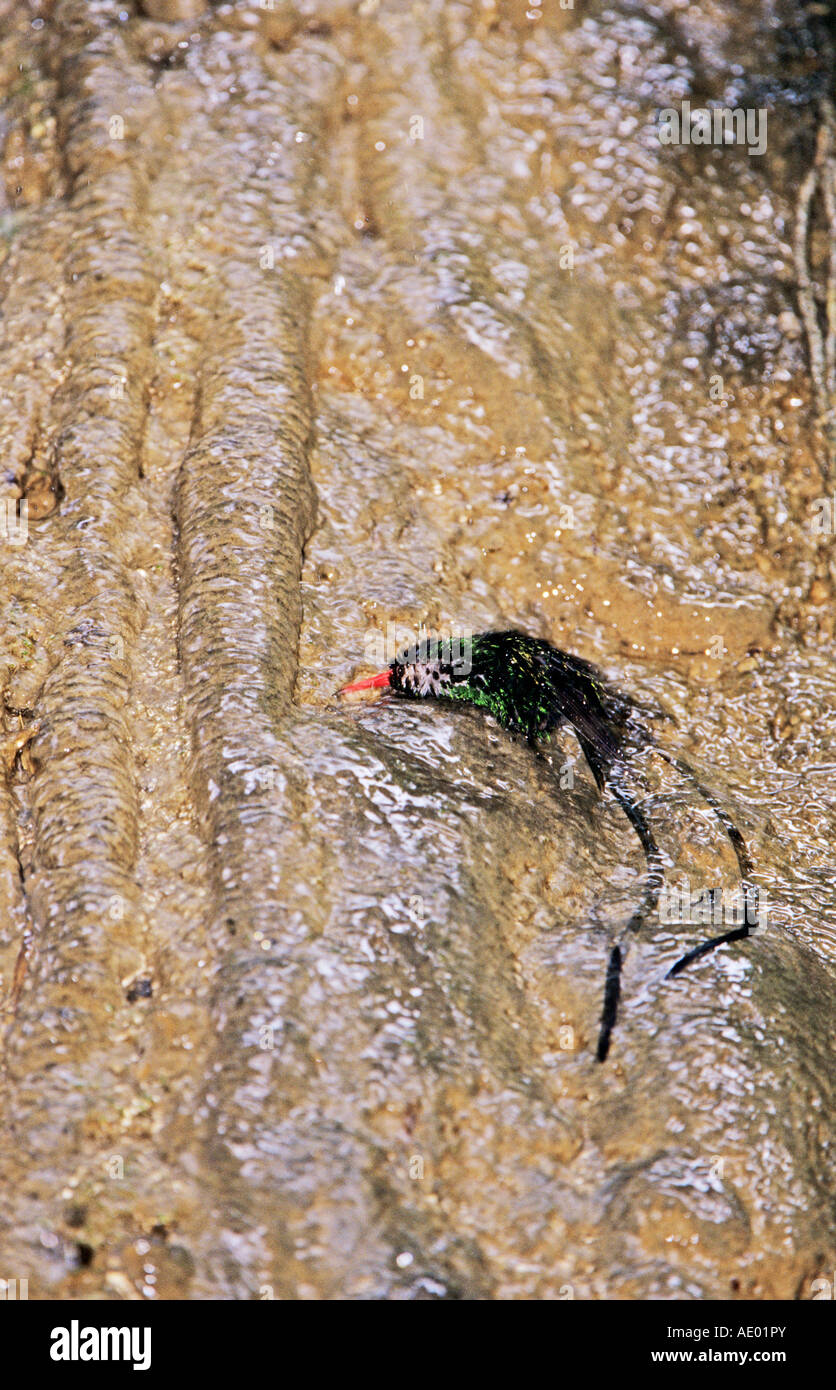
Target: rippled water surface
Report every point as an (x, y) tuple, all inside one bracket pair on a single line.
[(323, 323)]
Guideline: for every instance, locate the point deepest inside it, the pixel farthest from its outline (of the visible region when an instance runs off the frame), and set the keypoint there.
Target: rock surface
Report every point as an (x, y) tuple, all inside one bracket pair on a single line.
[(321, 320)]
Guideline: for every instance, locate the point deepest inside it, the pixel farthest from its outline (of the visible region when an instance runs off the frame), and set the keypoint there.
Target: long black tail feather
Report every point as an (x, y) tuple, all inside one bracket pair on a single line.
[(606, 741), (737, 841), (744, 863), (738, 934), (650, 897), (612, 994), (610, 729)]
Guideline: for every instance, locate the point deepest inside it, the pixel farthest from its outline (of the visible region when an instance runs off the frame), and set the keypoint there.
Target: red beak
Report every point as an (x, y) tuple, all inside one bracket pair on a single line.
[(370, 683)]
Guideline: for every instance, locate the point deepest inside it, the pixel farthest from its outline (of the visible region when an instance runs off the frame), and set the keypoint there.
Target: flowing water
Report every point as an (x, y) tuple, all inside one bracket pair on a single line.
[(322, 322)]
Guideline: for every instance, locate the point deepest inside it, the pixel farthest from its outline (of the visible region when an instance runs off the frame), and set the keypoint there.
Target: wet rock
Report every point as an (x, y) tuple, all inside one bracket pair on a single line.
[(26, 679), (402, 316)]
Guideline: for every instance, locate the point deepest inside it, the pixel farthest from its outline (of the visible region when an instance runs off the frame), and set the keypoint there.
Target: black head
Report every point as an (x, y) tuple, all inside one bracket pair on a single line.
[(430, 668)]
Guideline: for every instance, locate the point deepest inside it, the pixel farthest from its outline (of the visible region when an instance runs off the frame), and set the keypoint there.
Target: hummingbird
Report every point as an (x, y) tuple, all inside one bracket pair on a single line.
[(532, 688)]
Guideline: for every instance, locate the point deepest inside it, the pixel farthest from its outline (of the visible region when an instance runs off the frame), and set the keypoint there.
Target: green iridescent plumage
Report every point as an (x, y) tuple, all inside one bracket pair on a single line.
[(529, 686), (532, 688)]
